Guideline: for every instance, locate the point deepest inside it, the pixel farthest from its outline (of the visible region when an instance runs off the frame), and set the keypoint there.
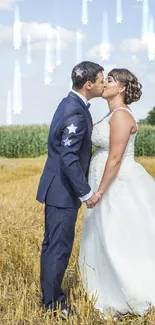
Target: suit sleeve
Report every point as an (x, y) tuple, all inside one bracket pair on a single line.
[(73, 131)]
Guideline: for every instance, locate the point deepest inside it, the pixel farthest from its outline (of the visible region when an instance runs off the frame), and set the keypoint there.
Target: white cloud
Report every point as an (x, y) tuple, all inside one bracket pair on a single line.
[(134, 45), (96, 51), (6, 4), (135, 59), (38, 34)]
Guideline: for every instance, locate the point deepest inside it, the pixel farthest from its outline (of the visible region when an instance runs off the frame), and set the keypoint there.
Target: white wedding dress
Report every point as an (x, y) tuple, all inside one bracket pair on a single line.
[(117, 252)]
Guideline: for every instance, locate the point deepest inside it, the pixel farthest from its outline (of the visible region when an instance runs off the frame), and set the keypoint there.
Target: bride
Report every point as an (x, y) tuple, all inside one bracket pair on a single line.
[(117, 251)]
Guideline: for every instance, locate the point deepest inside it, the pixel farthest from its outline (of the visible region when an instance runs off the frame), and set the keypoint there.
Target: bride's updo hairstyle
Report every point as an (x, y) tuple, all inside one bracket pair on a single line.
[(132, 92)]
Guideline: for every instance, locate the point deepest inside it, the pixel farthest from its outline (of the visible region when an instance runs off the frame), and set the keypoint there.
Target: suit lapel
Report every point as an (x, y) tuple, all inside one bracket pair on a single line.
[(89, 115), (76, 97)]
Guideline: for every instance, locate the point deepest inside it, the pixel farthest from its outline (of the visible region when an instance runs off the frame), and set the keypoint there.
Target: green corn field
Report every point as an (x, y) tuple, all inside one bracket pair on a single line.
[(31, 141)]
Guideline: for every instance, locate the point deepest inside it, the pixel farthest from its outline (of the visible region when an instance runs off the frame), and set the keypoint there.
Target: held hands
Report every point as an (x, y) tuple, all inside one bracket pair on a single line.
[(94, 199)]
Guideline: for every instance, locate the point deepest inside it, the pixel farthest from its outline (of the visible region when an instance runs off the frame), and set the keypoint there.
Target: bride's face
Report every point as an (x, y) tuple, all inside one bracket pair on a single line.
[(111, 88)]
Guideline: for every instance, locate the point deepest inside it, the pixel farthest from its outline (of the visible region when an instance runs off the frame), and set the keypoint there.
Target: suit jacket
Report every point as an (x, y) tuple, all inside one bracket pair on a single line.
[(64, 177)]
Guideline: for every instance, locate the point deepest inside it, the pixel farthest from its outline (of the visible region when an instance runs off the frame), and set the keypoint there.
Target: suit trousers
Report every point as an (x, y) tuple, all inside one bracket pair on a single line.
[(55, 253)]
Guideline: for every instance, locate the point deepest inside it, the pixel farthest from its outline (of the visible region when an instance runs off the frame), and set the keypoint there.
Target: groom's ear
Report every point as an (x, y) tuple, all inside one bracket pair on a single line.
[(88, 85)]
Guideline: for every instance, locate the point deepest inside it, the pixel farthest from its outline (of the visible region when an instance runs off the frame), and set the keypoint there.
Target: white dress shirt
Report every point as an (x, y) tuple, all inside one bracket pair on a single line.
[(88, 195)]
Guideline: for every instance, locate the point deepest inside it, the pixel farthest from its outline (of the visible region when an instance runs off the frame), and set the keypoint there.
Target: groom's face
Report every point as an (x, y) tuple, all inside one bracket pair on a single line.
[(98, 86)]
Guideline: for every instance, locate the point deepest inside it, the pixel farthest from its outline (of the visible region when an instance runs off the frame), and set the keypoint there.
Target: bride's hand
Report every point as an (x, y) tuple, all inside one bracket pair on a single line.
[(92, 204), (99, 195)]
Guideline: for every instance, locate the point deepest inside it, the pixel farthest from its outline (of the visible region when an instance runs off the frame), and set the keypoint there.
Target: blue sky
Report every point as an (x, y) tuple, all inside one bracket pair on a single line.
[(39, 101)]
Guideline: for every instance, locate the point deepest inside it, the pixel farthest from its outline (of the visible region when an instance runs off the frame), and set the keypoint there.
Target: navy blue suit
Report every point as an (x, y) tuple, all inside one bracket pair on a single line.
[(62, 183)]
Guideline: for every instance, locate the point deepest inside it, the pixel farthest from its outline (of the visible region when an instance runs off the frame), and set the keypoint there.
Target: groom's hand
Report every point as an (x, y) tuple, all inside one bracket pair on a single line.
[(94, 199)]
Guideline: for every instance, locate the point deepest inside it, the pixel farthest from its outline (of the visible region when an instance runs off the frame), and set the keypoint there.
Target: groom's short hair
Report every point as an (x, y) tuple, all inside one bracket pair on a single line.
[(83, 72)]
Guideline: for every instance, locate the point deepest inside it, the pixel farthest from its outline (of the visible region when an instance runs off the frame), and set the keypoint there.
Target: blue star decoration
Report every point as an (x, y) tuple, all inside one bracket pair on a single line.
[(72, 129)]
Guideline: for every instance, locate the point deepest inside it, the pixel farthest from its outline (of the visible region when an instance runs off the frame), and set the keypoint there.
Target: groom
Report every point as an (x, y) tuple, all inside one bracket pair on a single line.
[(63, 184)]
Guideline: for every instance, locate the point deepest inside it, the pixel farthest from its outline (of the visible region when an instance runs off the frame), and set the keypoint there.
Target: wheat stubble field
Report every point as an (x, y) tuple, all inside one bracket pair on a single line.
[(21, 232)]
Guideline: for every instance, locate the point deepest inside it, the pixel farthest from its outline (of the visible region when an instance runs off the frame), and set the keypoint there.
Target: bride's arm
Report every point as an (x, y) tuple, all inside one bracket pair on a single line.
[(121, 124)]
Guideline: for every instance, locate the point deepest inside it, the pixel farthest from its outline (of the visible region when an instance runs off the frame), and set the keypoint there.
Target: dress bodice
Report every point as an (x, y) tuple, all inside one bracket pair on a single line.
[(101, 132)]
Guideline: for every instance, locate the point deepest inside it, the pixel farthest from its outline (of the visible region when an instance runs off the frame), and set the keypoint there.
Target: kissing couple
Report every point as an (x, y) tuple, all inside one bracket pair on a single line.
[(117, 259)]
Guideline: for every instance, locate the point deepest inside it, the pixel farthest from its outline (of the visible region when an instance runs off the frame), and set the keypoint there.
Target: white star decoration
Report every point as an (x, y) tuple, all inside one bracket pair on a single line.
[(67, 142), (47, 81), (78, 72), (85, 22), (72, 128), (49, 68), (151, 57), (119, 20), (29, 61), (58, 62), (105, 56)]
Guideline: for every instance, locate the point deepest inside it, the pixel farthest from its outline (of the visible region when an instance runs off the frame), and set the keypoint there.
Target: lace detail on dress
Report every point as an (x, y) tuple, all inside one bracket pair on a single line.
[(100, 135), (100, 138)]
